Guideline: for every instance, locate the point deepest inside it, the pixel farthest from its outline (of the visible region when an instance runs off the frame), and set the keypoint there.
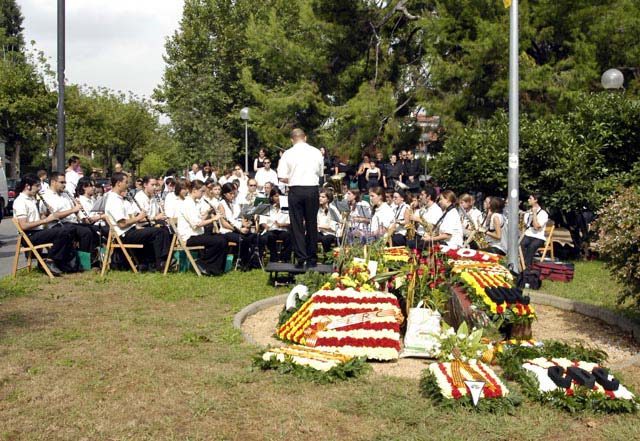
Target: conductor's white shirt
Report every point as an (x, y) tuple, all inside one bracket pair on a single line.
[(302, 165)]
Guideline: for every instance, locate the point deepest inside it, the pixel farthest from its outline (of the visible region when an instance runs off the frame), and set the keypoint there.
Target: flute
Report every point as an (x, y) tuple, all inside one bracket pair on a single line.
[(216, 229), (133, 199), (48, 207)]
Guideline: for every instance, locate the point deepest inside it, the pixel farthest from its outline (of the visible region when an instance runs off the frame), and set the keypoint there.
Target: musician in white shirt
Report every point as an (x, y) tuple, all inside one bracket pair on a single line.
[(448, 228), (399, 207), (191, 228), (383, 215), (234, 227), (328, 220), (29, 216), (496, 231), (535, 220), (155, 240), (148, 201), (275, 227)]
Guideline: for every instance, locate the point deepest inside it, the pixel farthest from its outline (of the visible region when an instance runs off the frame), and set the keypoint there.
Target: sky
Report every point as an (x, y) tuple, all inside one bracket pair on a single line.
[(117, 44)]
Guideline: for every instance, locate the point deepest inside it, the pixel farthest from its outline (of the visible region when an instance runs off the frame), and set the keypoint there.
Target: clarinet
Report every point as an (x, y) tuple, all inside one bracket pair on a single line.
[(133, 199), (48, 207), (158, 199), (76, 201), (216, 229)]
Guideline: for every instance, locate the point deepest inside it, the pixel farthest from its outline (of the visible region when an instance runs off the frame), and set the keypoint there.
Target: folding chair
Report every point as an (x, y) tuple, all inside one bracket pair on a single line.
[(177, 244), (113, 243), (548, 244), (30, 249)]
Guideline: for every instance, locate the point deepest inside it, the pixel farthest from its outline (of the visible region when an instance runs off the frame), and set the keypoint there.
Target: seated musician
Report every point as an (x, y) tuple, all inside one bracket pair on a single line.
[(155, 240), (29, 216), (359, 215), (85, 192), (470, 216), (535, 221), (276, 226), (426, 216), (328, 220), (495, 232), (399, 206), (170, 198), (252, 193), (448, 228), (62, 202), (147, 200), (235, 228), (382, 214), (191, 228)]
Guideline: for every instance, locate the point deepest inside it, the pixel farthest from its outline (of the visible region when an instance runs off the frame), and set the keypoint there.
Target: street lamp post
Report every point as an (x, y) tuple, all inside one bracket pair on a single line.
[(60, 156), (244, 114), (612, 79)]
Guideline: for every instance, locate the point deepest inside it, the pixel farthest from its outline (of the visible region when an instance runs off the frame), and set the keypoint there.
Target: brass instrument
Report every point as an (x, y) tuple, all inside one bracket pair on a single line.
[(335, 183), (476, 234), (410, 225)]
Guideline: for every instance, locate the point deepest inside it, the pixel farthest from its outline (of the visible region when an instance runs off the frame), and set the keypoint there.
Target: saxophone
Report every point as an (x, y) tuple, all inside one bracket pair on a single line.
[(475, 235), (411, 225)]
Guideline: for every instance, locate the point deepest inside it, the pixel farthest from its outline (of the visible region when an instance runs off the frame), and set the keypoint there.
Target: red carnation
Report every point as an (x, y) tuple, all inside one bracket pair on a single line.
[(420, 271), (499, 309), (410, 276), (432, 285)]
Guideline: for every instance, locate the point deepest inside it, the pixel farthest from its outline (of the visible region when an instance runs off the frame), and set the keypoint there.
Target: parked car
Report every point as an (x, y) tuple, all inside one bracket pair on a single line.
[(4, 191), (105, 183), (11, 186)]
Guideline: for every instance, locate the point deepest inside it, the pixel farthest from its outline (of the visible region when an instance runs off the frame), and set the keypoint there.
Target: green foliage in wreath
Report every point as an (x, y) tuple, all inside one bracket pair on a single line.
[(503, 405), (351, 369), (583, 399)]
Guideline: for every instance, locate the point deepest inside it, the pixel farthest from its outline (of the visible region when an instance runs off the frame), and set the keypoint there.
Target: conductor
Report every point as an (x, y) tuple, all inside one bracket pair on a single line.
[(301, 167)]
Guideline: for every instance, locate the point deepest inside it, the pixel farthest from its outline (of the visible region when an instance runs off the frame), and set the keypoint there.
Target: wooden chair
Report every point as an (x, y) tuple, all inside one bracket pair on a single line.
[(177, 244), (548, 244), (30, 249), (113, 243)]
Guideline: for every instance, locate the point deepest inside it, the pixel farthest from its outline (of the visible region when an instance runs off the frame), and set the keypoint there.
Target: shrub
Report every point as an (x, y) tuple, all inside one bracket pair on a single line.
[(619, 241)]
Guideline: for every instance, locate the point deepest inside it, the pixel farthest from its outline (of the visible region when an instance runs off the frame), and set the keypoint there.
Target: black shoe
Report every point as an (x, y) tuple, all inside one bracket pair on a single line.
[(202, 269), (301, 264), (143, 268), (312, 263), (53, 268)]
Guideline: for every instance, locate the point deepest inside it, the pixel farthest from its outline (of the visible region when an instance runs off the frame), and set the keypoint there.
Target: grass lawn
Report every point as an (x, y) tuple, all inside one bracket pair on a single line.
[(592, 283), (150, 357)]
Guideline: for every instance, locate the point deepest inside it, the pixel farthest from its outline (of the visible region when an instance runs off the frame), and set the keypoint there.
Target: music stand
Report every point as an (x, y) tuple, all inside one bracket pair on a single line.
[(259, 210)]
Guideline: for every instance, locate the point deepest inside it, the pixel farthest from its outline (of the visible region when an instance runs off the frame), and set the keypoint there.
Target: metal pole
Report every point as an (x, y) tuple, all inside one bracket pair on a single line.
[(246, 147), (60, 152), (513, 175)]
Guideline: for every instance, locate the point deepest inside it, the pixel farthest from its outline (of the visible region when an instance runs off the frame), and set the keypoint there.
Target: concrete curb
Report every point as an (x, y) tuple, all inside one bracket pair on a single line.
[(597, 312), (592, 311), (254, 308)]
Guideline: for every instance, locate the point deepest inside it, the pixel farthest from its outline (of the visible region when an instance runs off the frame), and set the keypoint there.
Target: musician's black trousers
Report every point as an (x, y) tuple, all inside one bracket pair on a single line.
[(529, 247), (214, 255), (156, 241), (62, 238), (86, 235), (327, 241), (303, 212), (269, 239)]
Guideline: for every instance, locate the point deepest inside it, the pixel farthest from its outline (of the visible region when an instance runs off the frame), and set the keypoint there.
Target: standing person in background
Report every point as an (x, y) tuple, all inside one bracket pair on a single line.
[(383, 166), (394, 171), (71, 174), (206, 173), (414, 169), (373, 176), (266, 174), (363, 168), (42, 176), (193, 174), (258, 163), (300, 168), (327, 165)]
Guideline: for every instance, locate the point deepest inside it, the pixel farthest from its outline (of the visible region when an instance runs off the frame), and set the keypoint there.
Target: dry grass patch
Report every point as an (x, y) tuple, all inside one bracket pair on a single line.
[(152, 357)]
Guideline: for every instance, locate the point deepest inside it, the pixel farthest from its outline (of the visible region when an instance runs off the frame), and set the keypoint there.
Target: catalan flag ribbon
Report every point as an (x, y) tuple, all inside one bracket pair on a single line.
[(507, 3)]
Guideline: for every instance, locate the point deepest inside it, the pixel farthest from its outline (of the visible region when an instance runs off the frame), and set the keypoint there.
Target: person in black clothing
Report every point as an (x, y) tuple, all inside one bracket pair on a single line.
[(383, 166), (413, 168), (394, 170)]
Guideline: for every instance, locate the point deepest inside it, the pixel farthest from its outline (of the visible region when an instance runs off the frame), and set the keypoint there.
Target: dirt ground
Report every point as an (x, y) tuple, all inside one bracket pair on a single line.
[(552, 323)]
